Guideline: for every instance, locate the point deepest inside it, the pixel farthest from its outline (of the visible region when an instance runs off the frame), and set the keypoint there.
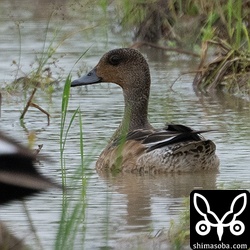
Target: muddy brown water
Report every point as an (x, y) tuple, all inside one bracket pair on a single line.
[(118, 207)]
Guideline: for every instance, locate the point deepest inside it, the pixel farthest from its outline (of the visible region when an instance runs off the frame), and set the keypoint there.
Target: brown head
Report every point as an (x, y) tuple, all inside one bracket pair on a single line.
[(125, 67), (129, 69)]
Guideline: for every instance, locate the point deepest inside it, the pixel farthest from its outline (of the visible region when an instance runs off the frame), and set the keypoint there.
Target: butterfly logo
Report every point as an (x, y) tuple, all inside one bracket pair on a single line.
[(203, 227)]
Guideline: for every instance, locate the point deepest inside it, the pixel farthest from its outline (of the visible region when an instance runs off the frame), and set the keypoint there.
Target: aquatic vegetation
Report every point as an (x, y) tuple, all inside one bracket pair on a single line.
[(230, 71), (73, 213), (178, 232), (231, 68), (41, 76), (182, 26)]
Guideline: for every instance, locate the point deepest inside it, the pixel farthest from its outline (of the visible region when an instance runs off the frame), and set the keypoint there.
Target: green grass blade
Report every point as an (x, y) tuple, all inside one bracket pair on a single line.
[(73, 212)]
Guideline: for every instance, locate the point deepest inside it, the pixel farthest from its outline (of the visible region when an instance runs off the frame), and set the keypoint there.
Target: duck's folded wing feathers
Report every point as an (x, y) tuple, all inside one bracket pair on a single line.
[(177, 128), (175, 138), (169, 135)]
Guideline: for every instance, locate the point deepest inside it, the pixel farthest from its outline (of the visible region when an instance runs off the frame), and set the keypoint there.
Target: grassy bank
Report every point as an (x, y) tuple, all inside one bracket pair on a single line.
[(217, 30)]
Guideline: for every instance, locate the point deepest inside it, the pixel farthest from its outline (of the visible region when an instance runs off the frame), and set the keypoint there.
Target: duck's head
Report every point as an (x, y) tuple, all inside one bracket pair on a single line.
[(125, 67)]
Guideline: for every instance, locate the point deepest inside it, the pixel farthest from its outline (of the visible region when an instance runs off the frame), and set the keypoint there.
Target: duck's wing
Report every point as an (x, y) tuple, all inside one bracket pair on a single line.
[(171, 134), (133, 151), (18, 174)]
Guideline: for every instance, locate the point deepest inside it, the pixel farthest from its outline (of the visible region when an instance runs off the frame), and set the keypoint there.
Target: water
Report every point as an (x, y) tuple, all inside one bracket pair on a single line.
[(119, 208)]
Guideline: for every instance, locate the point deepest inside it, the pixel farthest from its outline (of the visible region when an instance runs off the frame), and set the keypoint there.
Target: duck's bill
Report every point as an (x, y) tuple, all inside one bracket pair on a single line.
[(87, 79)]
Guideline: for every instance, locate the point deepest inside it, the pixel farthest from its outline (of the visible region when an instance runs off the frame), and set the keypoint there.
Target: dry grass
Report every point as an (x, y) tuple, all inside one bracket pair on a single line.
[(229, 71)]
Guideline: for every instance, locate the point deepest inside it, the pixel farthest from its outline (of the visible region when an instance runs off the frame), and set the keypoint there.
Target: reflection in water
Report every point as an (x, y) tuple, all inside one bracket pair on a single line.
[(140, 191), (225, 101)]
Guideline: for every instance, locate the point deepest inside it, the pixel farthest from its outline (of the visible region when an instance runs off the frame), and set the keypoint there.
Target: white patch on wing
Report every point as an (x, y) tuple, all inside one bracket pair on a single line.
[(7, 148), (150, 144)]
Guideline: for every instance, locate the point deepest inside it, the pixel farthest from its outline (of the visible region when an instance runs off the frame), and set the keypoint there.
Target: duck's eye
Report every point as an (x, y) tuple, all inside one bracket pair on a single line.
[(115, 60)]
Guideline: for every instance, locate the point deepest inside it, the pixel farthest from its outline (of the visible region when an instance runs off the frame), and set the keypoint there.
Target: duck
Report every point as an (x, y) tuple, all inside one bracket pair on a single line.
[(19, 176), (136, 146)]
